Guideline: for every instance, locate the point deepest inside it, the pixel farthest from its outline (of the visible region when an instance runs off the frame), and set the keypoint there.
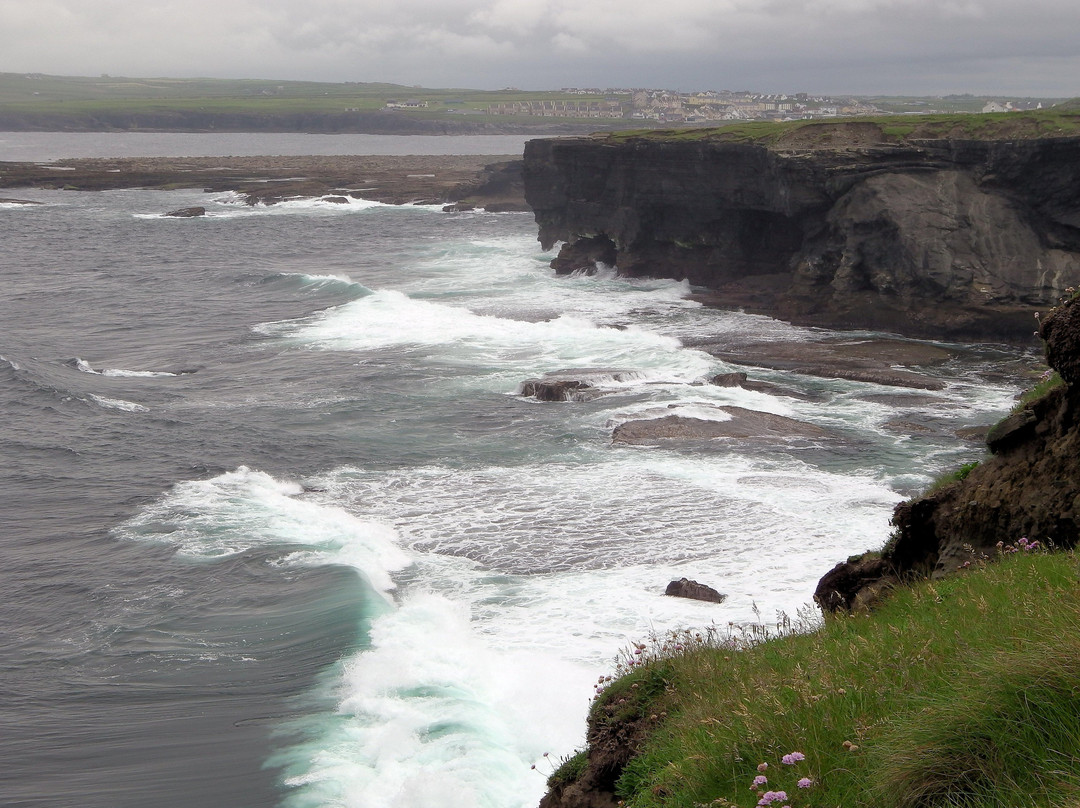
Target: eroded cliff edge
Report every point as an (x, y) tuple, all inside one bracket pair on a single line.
[(1028, 489), (833, 224)]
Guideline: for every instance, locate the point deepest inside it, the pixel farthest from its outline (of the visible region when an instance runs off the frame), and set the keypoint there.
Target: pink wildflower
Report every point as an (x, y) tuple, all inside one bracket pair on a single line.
[(769, 797), (792, 758), (760, 780), (806, 782)]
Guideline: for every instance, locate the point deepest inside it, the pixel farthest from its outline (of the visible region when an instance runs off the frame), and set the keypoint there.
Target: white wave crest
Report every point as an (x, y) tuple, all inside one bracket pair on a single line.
[(118, 404), (86, 367), (387, 319), (433, 716), (243, 509)]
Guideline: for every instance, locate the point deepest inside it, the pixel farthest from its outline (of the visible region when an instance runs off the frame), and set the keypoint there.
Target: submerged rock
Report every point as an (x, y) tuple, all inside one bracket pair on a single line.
[(187, 213), (743, 423), (741, 380), (575, 384), (557, 389)]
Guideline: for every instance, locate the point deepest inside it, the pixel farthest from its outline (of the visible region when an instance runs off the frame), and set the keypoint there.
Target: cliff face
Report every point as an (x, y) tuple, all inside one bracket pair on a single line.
[(942, 238)]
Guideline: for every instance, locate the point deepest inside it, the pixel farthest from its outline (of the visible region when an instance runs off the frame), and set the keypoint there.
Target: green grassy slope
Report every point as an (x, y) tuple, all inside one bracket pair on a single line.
[(962, 692)]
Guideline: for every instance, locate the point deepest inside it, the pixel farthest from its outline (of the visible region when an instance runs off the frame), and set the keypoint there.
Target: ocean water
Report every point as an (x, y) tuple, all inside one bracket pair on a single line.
[(46, 146), (279, 531)]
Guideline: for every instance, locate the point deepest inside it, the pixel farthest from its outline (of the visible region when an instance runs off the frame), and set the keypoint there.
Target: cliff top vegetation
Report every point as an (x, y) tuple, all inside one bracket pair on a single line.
[(1059, 121), (960, 691)]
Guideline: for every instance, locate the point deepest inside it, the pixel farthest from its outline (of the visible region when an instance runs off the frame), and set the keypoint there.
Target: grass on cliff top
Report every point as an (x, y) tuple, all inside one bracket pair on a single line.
[(961, 692), (892, 129)]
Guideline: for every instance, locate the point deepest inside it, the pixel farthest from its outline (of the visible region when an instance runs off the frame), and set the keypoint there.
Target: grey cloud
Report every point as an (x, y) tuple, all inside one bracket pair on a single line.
[(915, 46)]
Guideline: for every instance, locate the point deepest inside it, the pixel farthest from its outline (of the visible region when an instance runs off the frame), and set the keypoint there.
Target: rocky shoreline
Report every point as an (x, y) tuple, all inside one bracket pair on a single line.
[(490, 181)]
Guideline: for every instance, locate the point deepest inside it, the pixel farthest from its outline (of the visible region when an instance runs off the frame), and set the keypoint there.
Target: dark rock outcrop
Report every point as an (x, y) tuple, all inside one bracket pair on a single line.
[(557, 389), (685, 588), (854, 585), (574, 384), (938, 237), (891, 362), (1028, 488), (187, 213), (617, 727), (1015, 429), (729, 379), (499, 188)]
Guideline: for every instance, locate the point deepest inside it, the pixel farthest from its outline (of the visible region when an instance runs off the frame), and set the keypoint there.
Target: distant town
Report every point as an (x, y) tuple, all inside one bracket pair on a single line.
[(670, 106)]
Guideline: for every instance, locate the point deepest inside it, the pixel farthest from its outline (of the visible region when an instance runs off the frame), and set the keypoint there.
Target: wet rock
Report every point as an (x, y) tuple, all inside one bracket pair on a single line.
[(890, 362), (743, 424), (973, 433), (588, 252), (685, 588), (337, 200), (557, 389), (741, 380), (4, 201), (574, 384), (728, 379), (187, 213)]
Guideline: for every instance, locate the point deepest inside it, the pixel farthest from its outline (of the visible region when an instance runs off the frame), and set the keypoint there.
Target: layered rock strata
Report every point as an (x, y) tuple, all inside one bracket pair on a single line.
[(942, 238)]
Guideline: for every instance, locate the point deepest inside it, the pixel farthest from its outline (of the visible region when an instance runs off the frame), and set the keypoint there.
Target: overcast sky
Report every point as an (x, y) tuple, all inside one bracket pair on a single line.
[(925, 47)]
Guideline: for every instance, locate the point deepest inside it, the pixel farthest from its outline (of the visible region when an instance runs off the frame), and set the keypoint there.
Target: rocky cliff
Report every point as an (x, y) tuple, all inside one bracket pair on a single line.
[(1027, 489), (834, 224)]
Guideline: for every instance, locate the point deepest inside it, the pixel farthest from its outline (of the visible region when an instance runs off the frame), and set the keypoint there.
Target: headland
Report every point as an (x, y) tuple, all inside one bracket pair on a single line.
[(953, 228)]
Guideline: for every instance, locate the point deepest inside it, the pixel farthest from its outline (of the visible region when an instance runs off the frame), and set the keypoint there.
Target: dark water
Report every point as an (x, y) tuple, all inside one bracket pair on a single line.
[(113, 694), (277, 531)]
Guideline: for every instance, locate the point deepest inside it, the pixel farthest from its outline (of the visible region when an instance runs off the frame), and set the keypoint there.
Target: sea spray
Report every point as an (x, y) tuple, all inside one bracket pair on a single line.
[(431, 715)]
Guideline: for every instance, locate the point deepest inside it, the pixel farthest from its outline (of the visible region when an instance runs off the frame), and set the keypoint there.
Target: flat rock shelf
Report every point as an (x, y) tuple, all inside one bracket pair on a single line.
[(382, 178)]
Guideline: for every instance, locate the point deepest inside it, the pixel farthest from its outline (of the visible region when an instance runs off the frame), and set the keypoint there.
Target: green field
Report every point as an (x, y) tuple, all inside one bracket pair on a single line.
[(44, 95)]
